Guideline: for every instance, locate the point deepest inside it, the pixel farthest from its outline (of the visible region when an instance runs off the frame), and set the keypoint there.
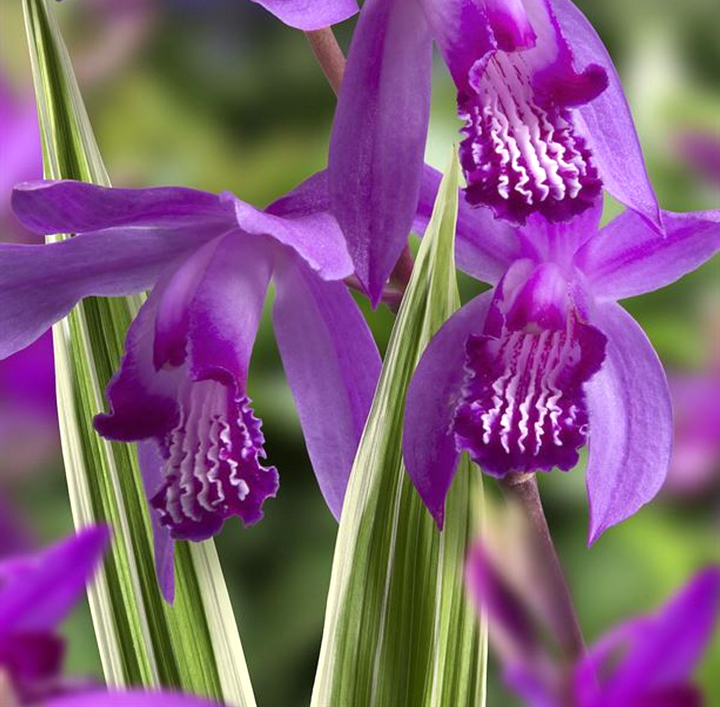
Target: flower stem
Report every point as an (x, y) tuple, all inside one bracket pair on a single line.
[(523, 489), (329, 55), (332, 61)]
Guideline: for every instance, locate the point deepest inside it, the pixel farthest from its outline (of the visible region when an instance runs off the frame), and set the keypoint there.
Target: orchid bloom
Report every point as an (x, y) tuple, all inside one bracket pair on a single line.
[(181, 389), (20, 150), (524, 375), (36, 593), (547, 125), (695, 465), (28, 421), (645, 662)]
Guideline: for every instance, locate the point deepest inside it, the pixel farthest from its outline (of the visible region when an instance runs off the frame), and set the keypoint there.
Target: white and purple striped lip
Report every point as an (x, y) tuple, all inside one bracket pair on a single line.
[(523, 151), (213, 468)]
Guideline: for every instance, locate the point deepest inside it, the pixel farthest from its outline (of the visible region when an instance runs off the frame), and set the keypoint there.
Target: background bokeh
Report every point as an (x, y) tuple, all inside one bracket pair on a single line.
[(216, 94)]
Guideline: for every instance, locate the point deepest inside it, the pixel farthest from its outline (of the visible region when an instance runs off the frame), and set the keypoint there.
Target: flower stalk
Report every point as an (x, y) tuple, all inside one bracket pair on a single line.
[(523, 490), (329, 55)]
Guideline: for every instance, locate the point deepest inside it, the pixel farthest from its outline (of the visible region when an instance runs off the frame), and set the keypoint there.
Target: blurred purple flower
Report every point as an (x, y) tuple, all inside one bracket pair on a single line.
[(695, 464), (522, 376), (36, 593), (28, 414), (701, 152), (21, 155), (181, 388), (546, 121), (28, 421), (645, 662)]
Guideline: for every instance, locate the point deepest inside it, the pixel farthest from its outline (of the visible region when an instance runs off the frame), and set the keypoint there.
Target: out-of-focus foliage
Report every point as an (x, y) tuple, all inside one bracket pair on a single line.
[(219, 95)]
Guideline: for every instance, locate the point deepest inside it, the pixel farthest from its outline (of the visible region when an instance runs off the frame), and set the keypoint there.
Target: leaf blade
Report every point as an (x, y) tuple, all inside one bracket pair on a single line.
[(396, 598)]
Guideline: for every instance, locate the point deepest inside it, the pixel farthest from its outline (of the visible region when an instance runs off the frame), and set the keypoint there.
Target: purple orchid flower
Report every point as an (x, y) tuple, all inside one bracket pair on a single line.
[(547, 125), (701, 152), (20, 150), (36, 593), (28, 422), (181, 388), (522, 376), (645, 662), (695, 464)]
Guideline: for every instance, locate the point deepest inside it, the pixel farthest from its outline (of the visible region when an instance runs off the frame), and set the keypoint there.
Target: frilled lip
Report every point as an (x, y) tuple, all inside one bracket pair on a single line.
[(522, 405)]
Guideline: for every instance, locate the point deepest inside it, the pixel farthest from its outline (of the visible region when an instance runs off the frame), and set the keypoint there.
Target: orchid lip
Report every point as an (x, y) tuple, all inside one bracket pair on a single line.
[(523, 405), (213, 466), (521, 157)]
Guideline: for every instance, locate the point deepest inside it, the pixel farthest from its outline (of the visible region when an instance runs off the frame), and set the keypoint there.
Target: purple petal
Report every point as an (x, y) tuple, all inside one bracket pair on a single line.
[(39, 285), (609, 126), (332, 365), (310, 14), (675, 696), (630, 423), (627, 258), (663, 653), (429, 450), (315, 237), (19, 145), (130, 698), (484, 246), (544, 240), (378, 138), (211, 307), (48, 207), (39, 591), (506, 612), (31, 659), (310, 197), (151, 468)]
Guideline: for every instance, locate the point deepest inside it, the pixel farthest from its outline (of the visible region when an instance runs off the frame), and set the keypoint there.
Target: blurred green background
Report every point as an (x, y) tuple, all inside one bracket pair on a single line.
[(217, 94)]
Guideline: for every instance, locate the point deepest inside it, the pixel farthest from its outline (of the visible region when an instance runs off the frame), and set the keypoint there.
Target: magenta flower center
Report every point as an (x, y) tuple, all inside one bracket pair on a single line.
[(213, 463), (521, 157)]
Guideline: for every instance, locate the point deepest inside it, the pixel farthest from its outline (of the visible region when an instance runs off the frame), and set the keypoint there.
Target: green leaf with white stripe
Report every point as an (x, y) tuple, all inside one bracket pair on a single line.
[(193, 645), (398, 627)]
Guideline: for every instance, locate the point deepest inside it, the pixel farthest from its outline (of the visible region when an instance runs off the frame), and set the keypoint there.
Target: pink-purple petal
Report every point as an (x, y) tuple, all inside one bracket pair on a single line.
[(151, 469), (315, 237), (378, 138), (40, 284), (608, 124), (628, 258), (429, 449), (38, 591), (664, 654), (332, 365), (463, 33), (68, 206), (630, 423), (310, 14)]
